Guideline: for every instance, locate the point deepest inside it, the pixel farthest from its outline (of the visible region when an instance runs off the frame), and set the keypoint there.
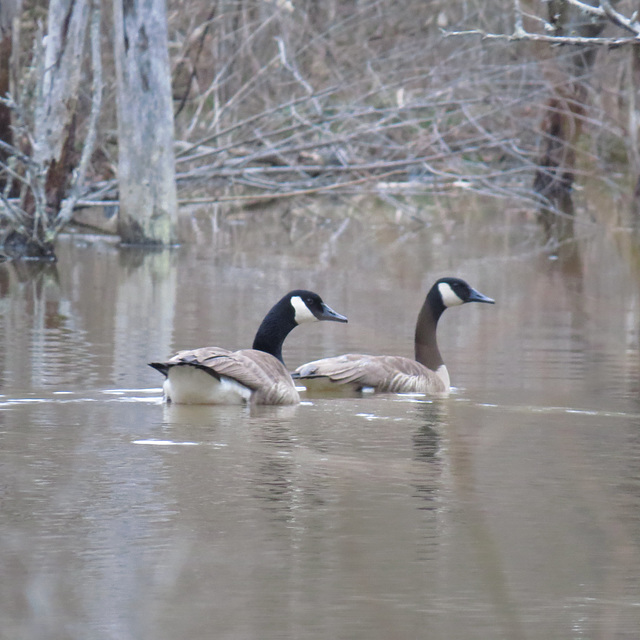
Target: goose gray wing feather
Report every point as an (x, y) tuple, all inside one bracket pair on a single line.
[(385, 374), (194, 357), (198, 357)]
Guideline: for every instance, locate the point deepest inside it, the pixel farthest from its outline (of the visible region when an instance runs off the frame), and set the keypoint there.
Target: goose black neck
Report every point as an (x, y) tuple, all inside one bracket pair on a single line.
[(426, 345), (275, 327)]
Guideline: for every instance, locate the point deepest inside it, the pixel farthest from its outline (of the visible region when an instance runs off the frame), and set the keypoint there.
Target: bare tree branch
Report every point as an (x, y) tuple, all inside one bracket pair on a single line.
[(581, 41), (630, 24)]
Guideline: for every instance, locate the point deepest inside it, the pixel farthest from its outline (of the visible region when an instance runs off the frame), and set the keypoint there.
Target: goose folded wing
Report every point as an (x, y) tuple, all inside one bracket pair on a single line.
[(265, 375), (390, 374)]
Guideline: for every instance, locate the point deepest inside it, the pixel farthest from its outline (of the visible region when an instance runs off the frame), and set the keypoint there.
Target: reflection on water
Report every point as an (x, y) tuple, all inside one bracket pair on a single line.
[(509, 510)]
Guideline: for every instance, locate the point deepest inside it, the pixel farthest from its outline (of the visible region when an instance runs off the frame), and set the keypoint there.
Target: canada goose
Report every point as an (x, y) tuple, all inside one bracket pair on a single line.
[(212, 375), (395, 374)]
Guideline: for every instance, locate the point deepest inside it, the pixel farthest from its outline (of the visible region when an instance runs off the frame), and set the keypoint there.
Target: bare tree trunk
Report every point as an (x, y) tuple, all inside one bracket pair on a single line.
[(9, 9), (57, 108), (634, 125), (561, 126), (54, 145), (146, 162), (554, 177)]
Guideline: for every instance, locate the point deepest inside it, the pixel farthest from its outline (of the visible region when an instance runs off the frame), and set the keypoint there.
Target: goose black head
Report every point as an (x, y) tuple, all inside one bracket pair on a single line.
[(309, 307), (455, 291), (297, 307), (451, 292)]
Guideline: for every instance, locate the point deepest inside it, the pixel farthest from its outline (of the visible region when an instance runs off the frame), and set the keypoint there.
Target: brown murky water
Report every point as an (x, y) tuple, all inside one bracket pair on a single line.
[(510, 510)]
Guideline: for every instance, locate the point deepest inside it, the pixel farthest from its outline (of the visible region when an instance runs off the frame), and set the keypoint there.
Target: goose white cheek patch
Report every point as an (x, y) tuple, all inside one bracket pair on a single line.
[(449, 297), (301, 311)]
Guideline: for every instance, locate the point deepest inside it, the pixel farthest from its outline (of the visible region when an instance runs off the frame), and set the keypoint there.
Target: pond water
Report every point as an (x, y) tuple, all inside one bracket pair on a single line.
[(509, 510)]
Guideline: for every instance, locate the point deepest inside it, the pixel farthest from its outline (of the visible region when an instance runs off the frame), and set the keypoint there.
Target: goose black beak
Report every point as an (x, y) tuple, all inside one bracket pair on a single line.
[(476, 296), (328, 313)]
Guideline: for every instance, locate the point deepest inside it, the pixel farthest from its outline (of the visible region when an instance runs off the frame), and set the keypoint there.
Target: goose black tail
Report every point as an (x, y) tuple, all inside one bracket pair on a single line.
[(162, 367)]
